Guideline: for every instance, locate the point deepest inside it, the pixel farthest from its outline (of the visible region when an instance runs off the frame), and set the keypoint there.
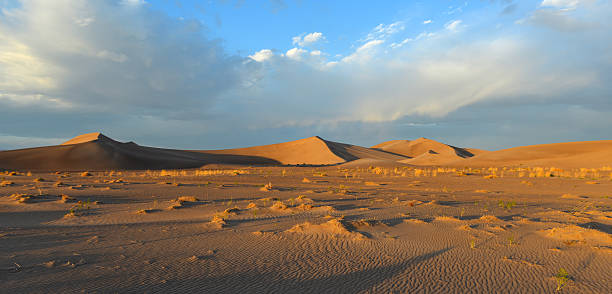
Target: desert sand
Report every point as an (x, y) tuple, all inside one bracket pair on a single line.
[(99, 216)]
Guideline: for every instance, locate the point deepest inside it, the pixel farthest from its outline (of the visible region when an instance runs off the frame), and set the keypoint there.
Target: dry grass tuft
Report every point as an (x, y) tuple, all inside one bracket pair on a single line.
[(267, 187), (86, 174), (278, 205), (6, 183), (66, 199), (233, 211), (187, 199)]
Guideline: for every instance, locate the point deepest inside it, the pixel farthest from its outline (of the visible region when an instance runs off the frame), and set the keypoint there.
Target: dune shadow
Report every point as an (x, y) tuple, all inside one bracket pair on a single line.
[(14, 219), (597, 226)]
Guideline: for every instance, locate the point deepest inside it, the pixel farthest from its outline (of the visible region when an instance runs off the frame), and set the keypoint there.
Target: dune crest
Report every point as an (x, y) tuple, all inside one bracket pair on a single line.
[(84, 138)]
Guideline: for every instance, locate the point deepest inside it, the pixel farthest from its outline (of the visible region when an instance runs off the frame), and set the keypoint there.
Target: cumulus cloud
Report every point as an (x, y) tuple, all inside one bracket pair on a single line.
[(262, 55), (427, 21), (98, 55), (296, 53), (308, 39)]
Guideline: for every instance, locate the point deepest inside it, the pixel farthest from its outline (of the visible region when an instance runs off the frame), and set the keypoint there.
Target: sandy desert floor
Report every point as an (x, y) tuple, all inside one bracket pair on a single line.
[(335, 229)]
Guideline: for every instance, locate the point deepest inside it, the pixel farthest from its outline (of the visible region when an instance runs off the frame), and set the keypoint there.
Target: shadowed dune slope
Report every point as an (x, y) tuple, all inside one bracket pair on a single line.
[(424, 151), (97, 152), (313, 150), (587, 154)]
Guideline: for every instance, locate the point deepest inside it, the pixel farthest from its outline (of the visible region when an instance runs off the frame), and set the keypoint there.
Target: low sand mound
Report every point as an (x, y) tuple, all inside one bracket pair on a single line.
[(575, 233), (424, 151), (313, 150), (587, 154), (98, 152), (333, 227)]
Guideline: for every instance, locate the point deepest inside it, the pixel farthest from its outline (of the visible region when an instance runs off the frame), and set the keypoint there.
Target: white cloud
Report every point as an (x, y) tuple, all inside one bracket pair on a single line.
[(308, 39), (133, 2), (296, 53), (262, 55), (382, 31), (453, 25), (560, 3), (128, 56), (427, 21), (364, 53), (400, 44), (315, 53)]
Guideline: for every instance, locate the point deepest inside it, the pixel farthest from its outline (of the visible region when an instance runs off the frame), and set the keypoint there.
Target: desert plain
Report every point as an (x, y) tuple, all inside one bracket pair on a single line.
[(310, 216)]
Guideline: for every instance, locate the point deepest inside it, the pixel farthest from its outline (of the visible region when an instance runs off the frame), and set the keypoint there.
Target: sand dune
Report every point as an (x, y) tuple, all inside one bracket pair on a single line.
[(95, 151), (423, 151), (98, 152), (313, 150), (587, 154)]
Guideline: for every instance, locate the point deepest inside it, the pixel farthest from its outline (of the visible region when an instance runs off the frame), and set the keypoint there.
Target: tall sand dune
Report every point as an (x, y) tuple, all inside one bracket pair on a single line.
[(95, 151), (313, 150), (423, 151)]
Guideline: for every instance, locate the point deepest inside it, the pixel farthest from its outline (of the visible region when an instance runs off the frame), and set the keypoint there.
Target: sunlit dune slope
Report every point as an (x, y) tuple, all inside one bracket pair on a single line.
[(587, 154)]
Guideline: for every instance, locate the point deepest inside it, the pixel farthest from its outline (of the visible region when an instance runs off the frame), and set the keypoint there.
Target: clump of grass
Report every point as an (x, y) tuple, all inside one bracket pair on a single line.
[(39, 180), (6, 183), (79, 209), (511, 241), (266, 187), (86, 174), (66, 199), (562, 278), (278, 205), (24, 198), (506, 205), (472, 244), (234, 210), (187, 199)]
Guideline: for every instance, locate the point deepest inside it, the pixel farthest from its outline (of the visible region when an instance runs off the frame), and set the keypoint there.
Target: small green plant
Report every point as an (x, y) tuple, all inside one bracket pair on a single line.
[(511, 241), (562, 278), (506, 205)]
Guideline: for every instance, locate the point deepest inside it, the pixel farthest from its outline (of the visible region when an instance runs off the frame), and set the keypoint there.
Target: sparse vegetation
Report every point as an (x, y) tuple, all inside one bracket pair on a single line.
[(562, 277)]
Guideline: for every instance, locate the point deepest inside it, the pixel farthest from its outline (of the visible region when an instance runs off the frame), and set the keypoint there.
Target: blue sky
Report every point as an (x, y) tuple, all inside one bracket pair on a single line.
[(221, 74)]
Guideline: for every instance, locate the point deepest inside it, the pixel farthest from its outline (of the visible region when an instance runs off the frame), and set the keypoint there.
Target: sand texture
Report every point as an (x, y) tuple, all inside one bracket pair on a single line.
[(265, 229)]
